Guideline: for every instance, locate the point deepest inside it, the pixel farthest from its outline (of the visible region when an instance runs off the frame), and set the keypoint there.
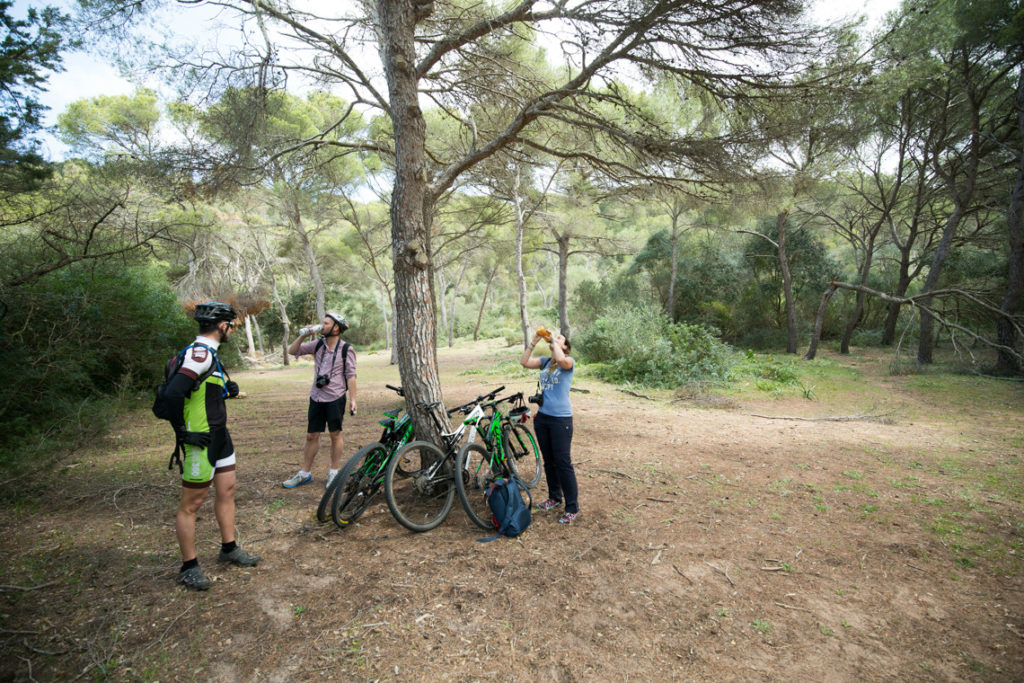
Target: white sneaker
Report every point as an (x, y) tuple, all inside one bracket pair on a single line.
[(330, 478)]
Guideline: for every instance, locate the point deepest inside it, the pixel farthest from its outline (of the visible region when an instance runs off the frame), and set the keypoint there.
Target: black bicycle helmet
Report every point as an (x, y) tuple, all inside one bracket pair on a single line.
[(214, 312), (340, 319)]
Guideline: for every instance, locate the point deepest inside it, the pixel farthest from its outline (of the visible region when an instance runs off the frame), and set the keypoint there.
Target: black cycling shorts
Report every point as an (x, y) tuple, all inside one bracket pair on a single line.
[(329, 415)]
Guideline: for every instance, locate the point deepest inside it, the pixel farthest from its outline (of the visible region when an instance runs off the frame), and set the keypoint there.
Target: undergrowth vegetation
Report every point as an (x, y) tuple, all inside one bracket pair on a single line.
[(642, 346)]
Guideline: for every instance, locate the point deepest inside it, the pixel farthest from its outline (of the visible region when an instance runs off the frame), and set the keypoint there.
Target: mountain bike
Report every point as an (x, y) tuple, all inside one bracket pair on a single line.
[(419, 485), (360, 479), (508, 450)]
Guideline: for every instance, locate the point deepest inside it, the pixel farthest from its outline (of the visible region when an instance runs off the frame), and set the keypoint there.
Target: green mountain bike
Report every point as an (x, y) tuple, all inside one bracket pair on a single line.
[(362, 477), (419, 485), (509, 449)]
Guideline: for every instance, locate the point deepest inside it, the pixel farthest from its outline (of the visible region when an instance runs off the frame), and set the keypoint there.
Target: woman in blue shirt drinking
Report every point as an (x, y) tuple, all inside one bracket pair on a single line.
[(553, 423)]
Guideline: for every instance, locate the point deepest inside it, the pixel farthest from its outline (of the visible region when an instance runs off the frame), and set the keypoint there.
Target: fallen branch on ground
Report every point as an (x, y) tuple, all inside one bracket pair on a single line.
[(25, 589), (614, 472), (633, 393), (725, 571), (802, 609), (867, 417), (682, 574)]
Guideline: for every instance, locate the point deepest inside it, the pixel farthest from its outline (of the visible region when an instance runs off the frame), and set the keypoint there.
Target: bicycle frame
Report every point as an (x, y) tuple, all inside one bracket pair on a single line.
[(397, 433), (499, 423), (450, 440)]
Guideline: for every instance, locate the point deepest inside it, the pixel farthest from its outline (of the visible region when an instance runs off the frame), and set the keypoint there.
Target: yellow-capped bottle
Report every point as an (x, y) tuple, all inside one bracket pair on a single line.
[(543, 333)]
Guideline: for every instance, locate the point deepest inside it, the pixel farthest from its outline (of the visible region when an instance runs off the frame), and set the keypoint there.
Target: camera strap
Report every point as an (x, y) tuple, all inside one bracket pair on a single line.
[(344, 359)]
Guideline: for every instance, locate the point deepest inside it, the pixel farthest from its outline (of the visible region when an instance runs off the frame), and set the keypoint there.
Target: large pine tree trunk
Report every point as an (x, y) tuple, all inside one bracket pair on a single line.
[(250, 343), (1007, 363), (314, 268), (819, 321), (285, 323), (563, 285), (858, 311), (524, 317), (411, 210), (787, 283), (961, 194), (926, 342), (902, 285), (670, 303)]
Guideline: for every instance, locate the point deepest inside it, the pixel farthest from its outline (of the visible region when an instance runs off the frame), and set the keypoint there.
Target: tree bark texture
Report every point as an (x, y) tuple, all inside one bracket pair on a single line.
[(517, 203), (563, 283), (858, 310), (787, 283), (314, 268), (1006, 335), (819, 320), (670, 304), (961, 195), (250, 343), (285, 322), (411, 210)]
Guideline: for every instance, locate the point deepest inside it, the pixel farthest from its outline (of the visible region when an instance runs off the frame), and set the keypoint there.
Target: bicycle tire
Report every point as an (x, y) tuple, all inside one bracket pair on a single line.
[(419, 503), (521, 449), (474, 477), (357, 490), (323, 510)]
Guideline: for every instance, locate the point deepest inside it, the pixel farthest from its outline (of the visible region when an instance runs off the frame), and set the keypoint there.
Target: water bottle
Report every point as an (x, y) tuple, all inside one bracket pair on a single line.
[(544, 334), (313, 329)]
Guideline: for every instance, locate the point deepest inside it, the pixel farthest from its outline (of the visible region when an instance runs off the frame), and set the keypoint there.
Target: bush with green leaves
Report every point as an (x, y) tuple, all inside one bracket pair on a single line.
[(642, 346), (78, 337)]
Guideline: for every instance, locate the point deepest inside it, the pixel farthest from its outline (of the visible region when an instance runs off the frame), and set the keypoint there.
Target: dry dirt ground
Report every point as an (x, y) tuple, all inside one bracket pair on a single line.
[(714, 544)]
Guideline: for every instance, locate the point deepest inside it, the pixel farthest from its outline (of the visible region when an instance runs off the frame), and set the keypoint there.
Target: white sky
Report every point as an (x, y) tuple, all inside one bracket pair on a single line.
[(88, 75)]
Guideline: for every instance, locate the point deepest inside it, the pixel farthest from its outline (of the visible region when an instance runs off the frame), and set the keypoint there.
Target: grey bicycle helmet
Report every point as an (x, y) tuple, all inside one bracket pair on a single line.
[(340, 319), (214, 312)]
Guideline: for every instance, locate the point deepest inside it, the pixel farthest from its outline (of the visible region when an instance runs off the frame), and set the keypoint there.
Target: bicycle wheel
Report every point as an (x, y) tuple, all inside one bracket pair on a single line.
[(521, 448), (475, 475), (323, 510), (360, 482), (419, 486)]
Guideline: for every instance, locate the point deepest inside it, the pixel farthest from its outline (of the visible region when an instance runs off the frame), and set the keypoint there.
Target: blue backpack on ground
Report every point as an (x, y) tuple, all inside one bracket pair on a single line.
[(509, 513)]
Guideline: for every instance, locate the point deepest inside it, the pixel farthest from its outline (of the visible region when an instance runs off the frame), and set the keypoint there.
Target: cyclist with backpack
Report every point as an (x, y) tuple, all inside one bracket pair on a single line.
[(334, 384), (194, 398), (553, 422)]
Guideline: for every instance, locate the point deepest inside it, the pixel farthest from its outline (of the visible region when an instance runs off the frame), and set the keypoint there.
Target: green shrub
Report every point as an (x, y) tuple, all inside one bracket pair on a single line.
[(643, 346), (83, 335)]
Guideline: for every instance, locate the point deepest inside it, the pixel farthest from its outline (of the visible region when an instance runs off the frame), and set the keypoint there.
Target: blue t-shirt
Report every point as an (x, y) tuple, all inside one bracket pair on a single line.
[(555, 387)]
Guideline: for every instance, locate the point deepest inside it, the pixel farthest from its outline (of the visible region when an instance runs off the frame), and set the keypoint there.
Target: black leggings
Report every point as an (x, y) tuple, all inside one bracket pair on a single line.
[(554, 436)]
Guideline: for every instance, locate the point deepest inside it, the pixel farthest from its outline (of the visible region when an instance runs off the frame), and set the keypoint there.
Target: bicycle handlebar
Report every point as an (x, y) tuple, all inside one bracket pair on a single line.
[(397, 390), (512, 398), (466, 407)]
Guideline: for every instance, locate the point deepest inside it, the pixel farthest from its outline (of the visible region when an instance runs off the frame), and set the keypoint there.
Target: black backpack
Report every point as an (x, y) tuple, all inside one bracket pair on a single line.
[(160, 407)]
